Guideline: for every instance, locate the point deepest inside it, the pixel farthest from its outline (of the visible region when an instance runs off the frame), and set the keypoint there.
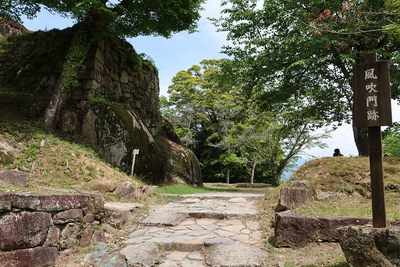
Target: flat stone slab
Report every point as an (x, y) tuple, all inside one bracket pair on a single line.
[(143, 255), (163, 218), (122, 206), (235, 256)]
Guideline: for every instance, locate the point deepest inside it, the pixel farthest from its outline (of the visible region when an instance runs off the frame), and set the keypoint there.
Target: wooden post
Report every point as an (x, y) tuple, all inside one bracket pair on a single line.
[(134, 153), (377, 185), (372, 109)]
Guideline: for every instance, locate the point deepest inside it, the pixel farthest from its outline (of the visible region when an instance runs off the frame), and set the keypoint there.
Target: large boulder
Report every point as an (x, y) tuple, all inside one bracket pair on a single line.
[(367, 246), (185, 165)]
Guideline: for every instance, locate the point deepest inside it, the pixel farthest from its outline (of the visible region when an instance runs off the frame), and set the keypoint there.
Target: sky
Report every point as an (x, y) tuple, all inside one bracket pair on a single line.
[(184, 50)]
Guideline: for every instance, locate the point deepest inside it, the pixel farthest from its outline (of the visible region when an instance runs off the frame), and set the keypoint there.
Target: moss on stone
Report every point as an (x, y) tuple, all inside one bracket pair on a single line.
[(6, 158)]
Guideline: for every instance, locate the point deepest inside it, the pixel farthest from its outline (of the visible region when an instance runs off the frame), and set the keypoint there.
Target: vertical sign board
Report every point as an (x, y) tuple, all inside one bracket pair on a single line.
[(372, 109), (372, 104)]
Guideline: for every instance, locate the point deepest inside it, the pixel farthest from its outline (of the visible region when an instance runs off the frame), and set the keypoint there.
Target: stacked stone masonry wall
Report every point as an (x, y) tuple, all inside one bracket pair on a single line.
[(114, 74), (33, 227)]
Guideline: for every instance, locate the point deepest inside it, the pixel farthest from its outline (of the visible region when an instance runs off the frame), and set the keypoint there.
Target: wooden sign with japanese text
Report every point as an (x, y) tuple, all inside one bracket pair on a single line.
[(372, 94)]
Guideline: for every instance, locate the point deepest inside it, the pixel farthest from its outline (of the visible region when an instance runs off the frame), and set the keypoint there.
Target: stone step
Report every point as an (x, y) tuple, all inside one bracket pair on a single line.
[(198, 232)]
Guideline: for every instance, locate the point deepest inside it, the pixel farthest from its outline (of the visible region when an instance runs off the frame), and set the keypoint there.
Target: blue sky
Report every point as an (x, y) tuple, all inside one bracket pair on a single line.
[(184, 50)]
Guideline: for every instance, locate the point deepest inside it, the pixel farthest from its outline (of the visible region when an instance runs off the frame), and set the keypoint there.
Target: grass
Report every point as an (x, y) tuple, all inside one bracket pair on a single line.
[(181, 189)]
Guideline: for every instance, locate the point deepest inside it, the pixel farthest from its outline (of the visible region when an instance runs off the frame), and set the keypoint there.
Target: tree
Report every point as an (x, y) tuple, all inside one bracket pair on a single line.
[(203, 113), (285, 51), (391, 141), (101, 19), (128, 18), (279, 139), (229, 132)]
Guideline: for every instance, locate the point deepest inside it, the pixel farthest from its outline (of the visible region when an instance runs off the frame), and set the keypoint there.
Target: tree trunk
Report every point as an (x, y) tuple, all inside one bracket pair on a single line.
[(361, 140), (57, 101), (228, 172), (69, 75), (253, 170)]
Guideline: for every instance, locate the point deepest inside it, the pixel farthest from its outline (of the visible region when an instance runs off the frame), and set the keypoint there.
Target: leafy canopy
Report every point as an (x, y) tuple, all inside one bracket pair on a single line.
[(231, 137), (301, 53), (129, 18)]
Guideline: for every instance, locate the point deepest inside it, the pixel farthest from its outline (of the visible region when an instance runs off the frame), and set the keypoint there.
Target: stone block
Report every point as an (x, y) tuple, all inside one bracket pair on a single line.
[(32, 257), (53, 236), (6, 201), (126, 190), (187, 245), (23, 229), (141, 254), (297, 230), (118, 214), (304, 184), (14, 177), (367, 246), (103, 186), (291, 198), (69, 235), (73, 215), (50, 202), (86, 235), (328, 225), (98, 236)]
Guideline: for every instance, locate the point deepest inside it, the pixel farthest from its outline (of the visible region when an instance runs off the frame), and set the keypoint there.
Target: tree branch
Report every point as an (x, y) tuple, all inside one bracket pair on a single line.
[(351, 33)]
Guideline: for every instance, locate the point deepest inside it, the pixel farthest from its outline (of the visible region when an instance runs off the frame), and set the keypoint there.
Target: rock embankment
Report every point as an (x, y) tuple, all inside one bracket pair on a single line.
[(34, 227)]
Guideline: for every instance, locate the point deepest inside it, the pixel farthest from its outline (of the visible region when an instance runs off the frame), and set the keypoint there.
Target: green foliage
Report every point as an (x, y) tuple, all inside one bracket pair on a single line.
[(122, 18), (231, 137), (391, 141), (295, 55), (75, 59)]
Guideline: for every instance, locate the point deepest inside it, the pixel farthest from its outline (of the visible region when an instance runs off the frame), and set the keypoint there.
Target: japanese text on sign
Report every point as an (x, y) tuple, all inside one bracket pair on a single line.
[(371, 97)]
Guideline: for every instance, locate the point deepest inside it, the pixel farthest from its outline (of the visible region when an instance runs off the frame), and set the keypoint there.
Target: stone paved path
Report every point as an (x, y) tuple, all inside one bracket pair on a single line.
[(217, 230)]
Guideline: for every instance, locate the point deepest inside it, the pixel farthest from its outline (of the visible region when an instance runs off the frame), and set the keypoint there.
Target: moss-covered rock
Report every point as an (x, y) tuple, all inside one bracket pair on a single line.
[(115, 131)]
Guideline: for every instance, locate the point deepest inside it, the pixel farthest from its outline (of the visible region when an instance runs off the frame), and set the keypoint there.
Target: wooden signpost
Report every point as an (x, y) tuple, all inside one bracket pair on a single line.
[(134, 153), (372, 108)]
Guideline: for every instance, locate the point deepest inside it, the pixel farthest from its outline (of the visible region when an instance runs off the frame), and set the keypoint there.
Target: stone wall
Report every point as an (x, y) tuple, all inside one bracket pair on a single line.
[(33, 227), (114, 106), (115, 72)]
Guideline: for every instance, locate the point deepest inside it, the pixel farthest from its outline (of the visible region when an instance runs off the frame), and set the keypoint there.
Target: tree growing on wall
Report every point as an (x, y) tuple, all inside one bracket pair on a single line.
[(97, 20), (285, 50)]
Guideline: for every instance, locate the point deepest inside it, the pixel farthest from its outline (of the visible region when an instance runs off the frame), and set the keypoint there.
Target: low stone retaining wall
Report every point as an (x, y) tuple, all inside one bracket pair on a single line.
[(297, 230), (33, 227)]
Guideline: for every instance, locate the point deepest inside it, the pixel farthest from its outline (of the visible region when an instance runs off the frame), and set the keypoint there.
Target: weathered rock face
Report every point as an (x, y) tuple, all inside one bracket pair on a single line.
[(116, 131), (12, 28), (297, 230), (115, 105), (367, 246), (185, 164)]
